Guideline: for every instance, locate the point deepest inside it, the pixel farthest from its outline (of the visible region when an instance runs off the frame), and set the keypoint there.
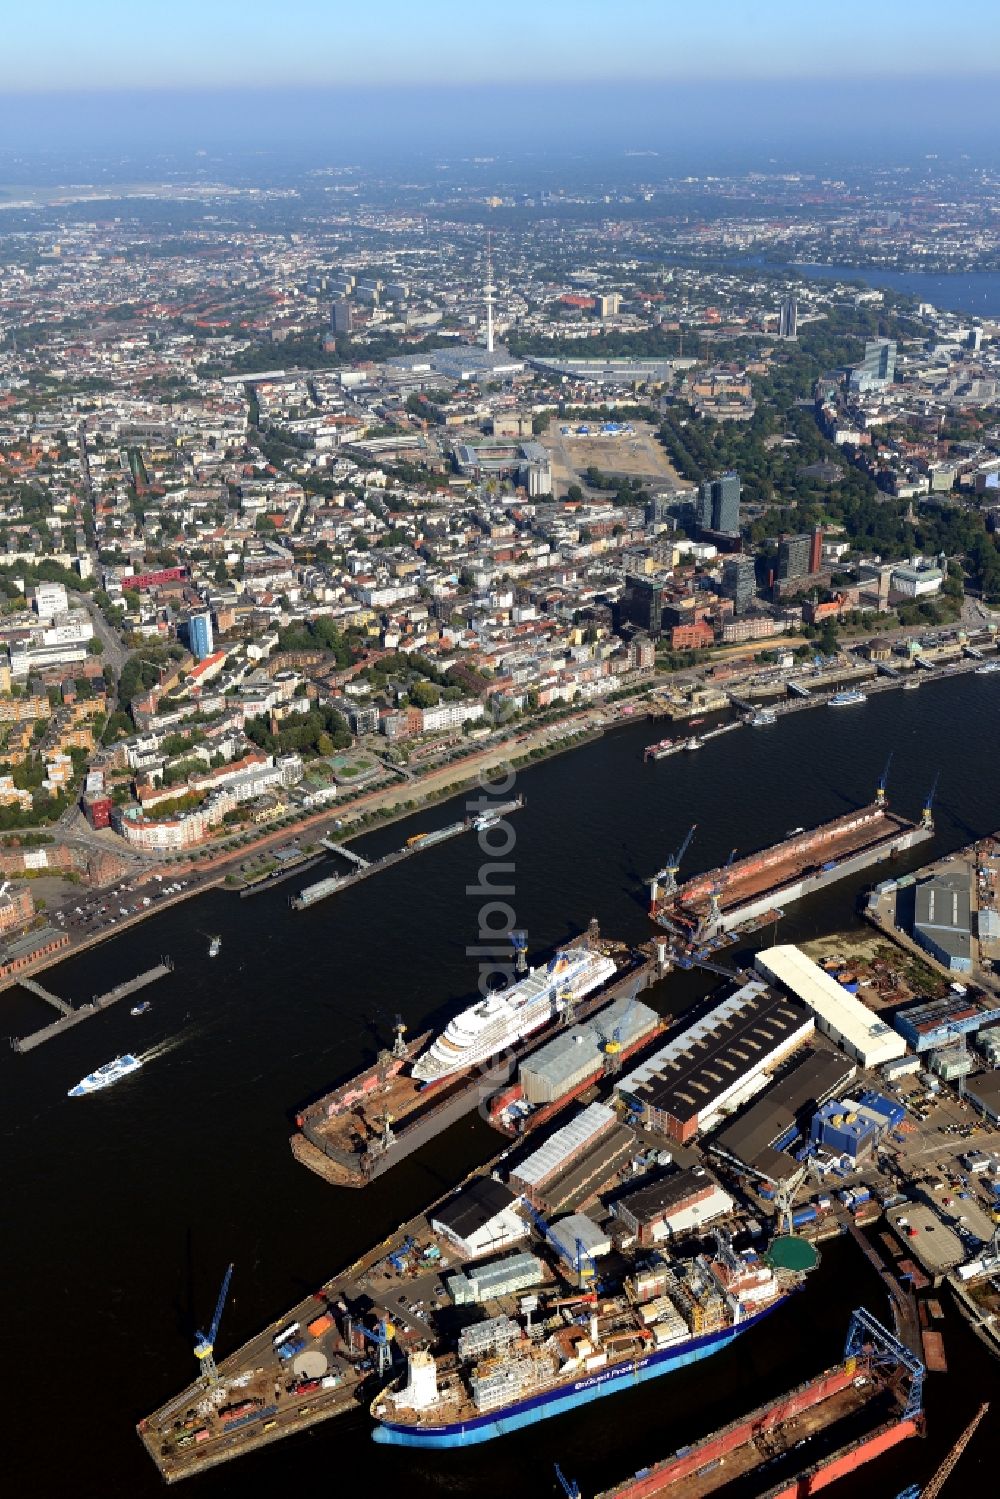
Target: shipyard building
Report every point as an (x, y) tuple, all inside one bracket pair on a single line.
[(682, 1203), (574, 1160), (758, 1140), (479, 1219), (568, 1061), (839, 1014), (937, 1022), (942, 920), (716, 1064)]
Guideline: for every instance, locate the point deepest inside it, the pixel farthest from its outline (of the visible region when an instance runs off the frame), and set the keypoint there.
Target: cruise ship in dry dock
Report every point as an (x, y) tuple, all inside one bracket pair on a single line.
[(502, 1020), (501, 1376)]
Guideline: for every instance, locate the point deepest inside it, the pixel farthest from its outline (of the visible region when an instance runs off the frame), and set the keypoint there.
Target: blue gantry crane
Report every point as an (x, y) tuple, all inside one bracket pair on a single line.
[(880, 790), (569, 1486), (581, 1262), (520, 941), (668, 874), (382, 1337), (927, 815), (204, 1349)]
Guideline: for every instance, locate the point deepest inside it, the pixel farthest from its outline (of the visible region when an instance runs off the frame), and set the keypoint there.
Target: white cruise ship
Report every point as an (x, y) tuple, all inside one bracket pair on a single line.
[(502, 1020)]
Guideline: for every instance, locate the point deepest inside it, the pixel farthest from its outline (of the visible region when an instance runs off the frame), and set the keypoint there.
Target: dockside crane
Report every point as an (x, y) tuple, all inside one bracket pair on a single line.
[(714, 908), (382, 1338), (927, 815), (880, 790), (613, 1045), (668, 874), (569, 1486), (520, 941), (947, 1467), (204, 1349), (581, 1262)]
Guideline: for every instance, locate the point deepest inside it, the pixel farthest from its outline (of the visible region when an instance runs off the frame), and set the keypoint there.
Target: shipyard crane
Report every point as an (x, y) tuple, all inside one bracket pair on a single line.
[(399, 1045), (714, 908), (927, 815), (668, 874), (569, 1486), (581, 1262), (520, 941), (205, 1346), (382, 1338), (784, 1194), (947, 1467), (613, 1045), (880, 790)]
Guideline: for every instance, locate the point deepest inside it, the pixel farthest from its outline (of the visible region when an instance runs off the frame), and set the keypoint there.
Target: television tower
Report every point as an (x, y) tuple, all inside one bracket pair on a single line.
[(489, 289)]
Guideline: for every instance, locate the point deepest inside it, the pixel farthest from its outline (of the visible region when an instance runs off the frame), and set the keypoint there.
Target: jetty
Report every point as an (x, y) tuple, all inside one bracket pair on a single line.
[(70, 1015)]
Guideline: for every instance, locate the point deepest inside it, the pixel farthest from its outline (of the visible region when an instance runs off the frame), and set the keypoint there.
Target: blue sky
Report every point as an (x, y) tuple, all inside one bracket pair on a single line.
[(107, 45)]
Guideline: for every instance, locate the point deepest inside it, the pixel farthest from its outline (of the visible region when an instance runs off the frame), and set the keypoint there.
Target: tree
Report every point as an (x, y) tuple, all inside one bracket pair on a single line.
[(575, 493), (95, 646), (424, 695)]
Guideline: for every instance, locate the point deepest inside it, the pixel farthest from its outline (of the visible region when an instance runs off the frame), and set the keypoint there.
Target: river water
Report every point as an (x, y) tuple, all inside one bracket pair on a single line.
[(124, 1208), (974, 292)]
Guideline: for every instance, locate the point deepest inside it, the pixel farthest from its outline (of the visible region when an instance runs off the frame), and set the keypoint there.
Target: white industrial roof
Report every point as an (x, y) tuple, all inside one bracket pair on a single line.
[(578, 1226), (842, 1014), (564, 1143)]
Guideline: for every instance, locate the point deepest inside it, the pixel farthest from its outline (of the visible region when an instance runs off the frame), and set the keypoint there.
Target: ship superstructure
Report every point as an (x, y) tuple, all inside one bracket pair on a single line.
[(502, 1374), (503, 1019)]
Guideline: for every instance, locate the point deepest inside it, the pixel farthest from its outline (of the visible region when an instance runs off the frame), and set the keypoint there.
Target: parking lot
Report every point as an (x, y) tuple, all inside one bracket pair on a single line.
[(105, 909)]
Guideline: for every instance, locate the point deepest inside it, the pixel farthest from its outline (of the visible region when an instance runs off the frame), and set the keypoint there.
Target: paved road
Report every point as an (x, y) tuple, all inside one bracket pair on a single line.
[(115, 653)]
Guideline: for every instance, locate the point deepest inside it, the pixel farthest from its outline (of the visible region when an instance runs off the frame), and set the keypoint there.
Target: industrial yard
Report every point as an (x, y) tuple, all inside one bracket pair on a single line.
[(803, 1100)]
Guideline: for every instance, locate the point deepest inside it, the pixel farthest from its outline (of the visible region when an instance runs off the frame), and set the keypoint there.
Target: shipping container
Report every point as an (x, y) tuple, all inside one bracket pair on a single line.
[(319, 1325), (804, 1215)]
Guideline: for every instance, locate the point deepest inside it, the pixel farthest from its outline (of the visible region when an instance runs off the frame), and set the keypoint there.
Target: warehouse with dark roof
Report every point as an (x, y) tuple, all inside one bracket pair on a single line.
[(750, 1140), (716, 1063)]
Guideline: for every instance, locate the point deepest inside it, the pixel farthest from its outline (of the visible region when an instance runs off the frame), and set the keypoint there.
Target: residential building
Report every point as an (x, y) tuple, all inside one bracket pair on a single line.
[(794, 554), (739, 582)]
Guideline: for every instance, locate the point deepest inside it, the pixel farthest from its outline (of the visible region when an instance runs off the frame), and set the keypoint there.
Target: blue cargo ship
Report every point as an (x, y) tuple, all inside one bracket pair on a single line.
[(502, 1375)]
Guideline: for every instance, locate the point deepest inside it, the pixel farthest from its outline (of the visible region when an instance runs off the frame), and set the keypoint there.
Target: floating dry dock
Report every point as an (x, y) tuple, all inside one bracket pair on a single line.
[(722, 900), (365, 1126), (774, 1451)]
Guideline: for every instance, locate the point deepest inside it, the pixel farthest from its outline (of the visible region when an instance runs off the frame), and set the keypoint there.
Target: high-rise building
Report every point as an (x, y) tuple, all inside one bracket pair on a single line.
[(878, 367), (641, 604), (788, 319), (793, 557), (739, 582), (201, 639), (719, 504), (342, 316)]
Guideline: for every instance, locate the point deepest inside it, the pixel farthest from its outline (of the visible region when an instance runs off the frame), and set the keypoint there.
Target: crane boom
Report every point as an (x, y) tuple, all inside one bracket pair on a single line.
[(947, 1467)]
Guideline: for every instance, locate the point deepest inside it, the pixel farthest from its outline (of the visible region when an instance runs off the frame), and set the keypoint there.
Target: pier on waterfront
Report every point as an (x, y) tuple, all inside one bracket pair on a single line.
[(70, 1016), (366, 868)]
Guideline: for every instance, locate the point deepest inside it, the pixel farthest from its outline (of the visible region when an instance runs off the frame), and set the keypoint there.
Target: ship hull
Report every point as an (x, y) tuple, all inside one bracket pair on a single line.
[(556, 1402)]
